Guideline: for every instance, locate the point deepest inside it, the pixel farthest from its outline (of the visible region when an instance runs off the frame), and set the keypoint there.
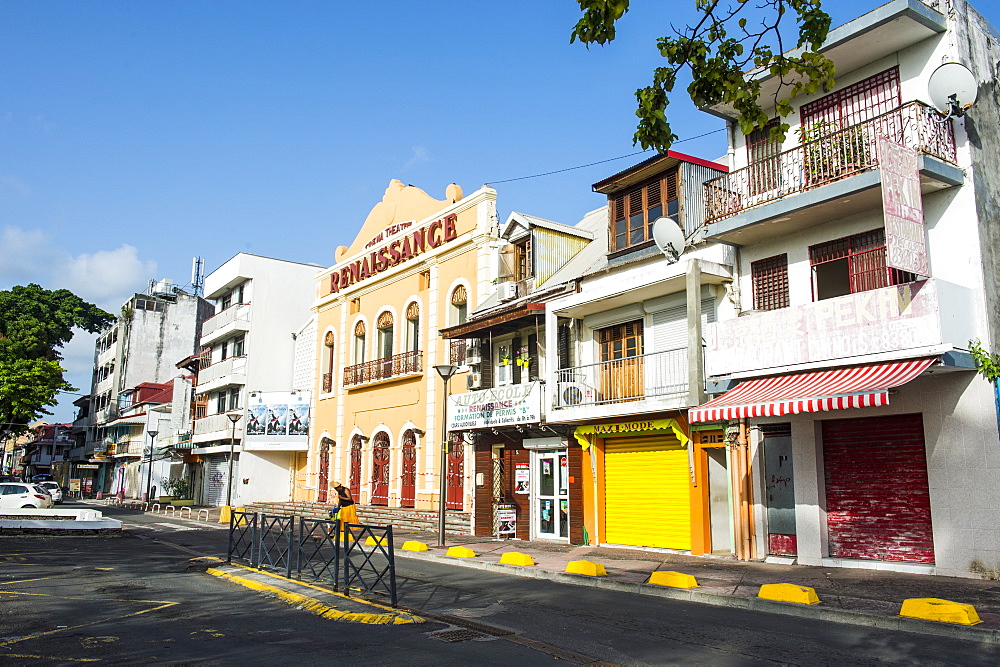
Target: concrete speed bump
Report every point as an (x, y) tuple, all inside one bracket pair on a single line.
[(461, 552), (373, 542), (517, 558), (942, 611), (788, 593), (586, 567), (413, 545), (673, 579)]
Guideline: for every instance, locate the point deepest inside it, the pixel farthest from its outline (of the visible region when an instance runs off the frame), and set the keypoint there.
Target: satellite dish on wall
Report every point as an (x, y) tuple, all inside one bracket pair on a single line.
[(669, 238), (953, 89)]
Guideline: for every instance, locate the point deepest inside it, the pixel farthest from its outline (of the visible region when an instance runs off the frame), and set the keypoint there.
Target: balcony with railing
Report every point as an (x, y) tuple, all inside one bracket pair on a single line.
[(840, 170), (225, 322), (222, 373), (396, 367), (621, 383), (214, 427)]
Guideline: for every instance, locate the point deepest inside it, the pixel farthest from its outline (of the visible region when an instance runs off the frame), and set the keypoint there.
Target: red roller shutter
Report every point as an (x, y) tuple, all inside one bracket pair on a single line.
[(877, 499)]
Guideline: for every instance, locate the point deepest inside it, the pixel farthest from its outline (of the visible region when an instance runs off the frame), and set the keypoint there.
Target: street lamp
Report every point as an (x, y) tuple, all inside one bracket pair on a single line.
[(233, 417), (149, 464), (445, 371)]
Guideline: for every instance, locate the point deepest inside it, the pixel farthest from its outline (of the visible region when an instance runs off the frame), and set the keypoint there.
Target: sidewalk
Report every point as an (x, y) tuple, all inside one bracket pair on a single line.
[(847, 595)]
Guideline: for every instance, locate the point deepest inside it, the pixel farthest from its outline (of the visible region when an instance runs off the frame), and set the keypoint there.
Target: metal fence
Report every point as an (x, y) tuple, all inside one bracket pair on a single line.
[(359, 558)]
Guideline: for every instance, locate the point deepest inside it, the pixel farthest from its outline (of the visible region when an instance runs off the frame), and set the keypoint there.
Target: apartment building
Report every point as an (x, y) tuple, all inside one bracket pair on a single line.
[(247, 350), (865, 262)]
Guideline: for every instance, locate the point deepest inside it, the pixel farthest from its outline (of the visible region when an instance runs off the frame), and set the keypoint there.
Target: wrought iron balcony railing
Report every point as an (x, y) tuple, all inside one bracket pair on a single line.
[(656, 374), (384, 369), (837, 155)]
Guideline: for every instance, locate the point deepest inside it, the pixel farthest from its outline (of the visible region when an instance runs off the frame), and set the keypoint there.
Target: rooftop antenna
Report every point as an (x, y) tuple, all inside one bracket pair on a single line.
[(952, 89), (198, 275)]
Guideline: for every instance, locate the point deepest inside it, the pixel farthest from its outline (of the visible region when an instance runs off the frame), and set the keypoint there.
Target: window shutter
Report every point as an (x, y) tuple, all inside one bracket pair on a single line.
[(563, 345), (672, 185), (653, 195), (486, 366), (507, 260)]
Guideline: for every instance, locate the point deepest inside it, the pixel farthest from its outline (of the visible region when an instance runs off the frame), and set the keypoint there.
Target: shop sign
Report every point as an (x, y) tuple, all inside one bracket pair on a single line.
[(500, 406), (506, 519), (894, 318), (87, 466), (903, 208), (396, 252), (522, 473), (583, 433)]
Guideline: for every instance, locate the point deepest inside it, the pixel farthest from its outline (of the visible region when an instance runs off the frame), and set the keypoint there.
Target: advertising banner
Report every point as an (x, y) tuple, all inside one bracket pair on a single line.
[(500, 406), (278, 420)]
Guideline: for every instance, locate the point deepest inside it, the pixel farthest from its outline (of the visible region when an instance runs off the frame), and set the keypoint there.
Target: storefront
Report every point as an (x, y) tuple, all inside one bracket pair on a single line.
[(639, 483)]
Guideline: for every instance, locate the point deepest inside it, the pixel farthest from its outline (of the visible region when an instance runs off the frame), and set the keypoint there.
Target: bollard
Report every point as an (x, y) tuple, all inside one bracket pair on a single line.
[(188, 511), (155, 507), (199, 514), (170, 510)]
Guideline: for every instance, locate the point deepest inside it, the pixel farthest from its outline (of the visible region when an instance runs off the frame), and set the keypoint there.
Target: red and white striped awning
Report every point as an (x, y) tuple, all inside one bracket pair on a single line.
[(856, 387)]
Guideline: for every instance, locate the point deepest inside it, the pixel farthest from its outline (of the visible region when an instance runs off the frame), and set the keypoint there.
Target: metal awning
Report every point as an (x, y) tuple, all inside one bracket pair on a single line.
[(837, 389)]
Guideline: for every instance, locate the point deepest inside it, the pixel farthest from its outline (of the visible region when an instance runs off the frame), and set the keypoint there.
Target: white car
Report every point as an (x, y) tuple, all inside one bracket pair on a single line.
[(13, 494), (54, 490)]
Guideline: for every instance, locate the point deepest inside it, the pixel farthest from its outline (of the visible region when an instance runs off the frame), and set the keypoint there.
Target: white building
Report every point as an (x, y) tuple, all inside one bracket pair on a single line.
[(248, 350), (152, 332), (873, 440)]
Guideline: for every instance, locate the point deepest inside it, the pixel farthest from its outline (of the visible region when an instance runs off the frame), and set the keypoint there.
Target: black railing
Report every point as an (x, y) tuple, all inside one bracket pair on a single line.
[(384, 369), (317, 549)]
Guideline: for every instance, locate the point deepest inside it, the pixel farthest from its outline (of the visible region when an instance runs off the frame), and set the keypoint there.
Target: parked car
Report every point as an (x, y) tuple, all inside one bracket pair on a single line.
[(10, 478), (54, 490), (14, 494), (41, 477)]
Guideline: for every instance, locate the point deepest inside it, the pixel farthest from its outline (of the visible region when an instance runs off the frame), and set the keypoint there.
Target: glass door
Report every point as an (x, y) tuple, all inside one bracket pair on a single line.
[(551, 502)]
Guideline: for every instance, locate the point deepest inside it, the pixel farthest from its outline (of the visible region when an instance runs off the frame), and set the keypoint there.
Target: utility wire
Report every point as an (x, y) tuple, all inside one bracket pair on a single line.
[(584, 166)]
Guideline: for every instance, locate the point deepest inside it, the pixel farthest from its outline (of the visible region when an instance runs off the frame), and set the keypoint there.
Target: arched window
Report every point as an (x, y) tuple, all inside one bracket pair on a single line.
[(359, 342), (328, 362), (384, 325), (413, 327), (459, 305)]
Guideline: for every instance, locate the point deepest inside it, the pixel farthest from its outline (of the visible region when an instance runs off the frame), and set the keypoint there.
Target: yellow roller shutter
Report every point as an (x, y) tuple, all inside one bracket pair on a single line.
[(647, 492)]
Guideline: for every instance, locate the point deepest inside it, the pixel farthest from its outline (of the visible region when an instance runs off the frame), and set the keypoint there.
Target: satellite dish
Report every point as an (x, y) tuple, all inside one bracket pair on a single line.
[(953, 88), (669, 238)]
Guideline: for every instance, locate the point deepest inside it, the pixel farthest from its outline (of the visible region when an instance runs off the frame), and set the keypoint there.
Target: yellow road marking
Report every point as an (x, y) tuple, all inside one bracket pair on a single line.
[(417, 619), (49, 657), (313, 605)]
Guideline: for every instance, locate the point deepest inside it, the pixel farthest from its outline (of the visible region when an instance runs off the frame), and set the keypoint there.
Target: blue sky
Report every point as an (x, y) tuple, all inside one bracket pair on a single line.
[(136, 135)]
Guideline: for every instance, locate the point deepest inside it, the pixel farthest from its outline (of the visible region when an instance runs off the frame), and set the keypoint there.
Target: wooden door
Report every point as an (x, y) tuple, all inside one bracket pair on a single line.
[(380, 469), (409, 476), (621, 374), (355, 482)]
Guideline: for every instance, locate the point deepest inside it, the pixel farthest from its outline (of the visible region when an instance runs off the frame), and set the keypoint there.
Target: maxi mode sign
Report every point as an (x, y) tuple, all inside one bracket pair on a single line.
[(501, 406)]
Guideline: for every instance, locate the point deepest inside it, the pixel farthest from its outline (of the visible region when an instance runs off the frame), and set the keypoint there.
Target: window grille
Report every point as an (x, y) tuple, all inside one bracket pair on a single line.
[(856, 103), (853, 264), (384, 320), (770, 283)]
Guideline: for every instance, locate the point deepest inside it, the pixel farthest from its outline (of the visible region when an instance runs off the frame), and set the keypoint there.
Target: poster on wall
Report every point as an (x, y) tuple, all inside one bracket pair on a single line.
[(278, 420), (521, 477), (506, 519)]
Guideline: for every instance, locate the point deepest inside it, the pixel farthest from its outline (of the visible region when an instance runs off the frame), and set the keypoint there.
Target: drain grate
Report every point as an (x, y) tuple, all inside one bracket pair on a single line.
[(460, 635)]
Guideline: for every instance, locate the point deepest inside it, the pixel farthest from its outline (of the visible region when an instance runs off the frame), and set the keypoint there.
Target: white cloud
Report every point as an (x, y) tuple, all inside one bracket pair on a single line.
[(106, 277), (419, 156)]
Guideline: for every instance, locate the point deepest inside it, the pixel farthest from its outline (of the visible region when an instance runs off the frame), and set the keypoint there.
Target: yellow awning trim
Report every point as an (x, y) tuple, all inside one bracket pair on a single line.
[(629, 428)]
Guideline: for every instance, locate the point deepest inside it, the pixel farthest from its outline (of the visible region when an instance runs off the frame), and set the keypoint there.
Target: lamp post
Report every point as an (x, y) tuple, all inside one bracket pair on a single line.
[(149, 464), (233, 417), (445, 371)]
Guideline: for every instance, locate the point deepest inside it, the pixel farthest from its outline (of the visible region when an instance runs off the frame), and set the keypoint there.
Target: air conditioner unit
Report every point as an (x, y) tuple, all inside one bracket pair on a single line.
[(473, 351), (474, 380), (573, 393), (507, 291)]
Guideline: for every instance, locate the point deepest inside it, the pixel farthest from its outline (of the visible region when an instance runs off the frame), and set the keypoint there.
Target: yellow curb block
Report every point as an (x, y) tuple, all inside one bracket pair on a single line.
[(788, 593), (461, 552), (517, 558), (372, 542), (225, 513), (942, 611), (672, 579), (586, 567), (413, 545), (313, 605)]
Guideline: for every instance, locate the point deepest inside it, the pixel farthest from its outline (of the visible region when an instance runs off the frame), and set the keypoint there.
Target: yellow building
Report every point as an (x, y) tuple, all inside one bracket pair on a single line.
[(417, 265)]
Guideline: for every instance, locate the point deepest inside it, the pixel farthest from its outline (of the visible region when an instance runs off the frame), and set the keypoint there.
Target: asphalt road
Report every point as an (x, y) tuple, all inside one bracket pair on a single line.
[(140, 599)]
